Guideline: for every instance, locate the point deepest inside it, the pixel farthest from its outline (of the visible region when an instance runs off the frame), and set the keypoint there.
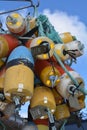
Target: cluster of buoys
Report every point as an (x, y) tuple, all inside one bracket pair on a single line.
[(39, 78)]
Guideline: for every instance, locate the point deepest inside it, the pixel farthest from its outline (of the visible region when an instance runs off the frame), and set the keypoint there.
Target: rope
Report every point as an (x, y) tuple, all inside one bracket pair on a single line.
[(62, 127), (4, 128), (51, 63)]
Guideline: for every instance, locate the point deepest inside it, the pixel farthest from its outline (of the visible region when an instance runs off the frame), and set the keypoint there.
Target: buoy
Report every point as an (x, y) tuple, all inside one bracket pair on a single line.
[(43, 41), (59, 68), (76, 47), (66, 85), (62, 112), (21, 52), (2, 62), (7, 44), (67, 37), (42, 124), (43, 96), (49, 75), (31, 23), (81, 101), (58, 98), (19, 77), (59, 49), (3, 102), (16, 23), (2, 75)]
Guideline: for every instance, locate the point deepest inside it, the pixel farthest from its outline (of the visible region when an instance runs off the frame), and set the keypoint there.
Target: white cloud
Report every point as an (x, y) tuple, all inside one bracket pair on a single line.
[(63, 22)]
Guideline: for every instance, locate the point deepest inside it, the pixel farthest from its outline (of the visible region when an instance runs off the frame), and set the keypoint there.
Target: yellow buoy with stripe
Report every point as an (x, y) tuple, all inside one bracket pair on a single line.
[(43, 96), (42, 40), (19, 81), (43, 69), (19, 76), (66, 37)]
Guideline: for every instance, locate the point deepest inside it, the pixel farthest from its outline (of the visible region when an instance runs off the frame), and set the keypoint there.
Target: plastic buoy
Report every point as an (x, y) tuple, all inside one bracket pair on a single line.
[(43, 96), (62, 112), (7, 44), (48, 75), (59, 49), (67, 37), (19, 77), (16, 23), (43, 41)]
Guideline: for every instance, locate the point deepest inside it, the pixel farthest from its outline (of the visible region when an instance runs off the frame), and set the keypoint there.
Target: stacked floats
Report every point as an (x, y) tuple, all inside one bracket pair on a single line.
[(18, 73)]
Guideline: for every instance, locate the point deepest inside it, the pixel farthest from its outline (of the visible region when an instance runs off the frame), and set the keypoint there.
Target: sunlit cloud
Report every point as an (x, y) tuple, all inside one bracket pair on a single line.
[(63, 22)]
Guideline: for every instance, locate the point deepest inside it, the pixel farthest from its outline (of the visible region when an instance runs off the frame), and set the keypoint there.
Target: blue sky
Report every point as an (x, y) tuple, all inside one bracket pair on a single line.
[(72, 7), (65, 15)]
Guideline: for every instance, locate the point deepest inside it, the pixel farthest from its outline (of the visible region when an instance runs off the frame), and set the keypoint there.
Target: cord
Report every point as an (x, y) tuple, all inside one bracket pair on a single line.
[(32, 5), (4, 128)]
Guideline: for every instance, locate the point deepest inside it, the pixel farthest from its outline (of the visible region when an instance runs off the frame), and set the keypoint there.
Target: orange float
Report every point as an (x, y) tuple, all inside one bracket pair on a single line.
[(43, 69), (7, 43), (19, 77)]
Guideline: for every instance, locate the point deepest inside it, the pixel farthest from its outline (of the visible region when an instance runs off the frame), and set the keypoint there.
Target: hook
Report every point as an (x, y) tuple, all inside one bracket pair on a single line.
[(33, 5)]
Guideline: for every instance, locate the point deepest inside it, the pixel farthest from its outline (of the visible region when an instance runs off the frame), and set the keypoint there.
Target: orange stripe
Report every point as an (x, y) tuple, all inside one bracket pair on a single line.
[(12, 42), (42, 122)]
